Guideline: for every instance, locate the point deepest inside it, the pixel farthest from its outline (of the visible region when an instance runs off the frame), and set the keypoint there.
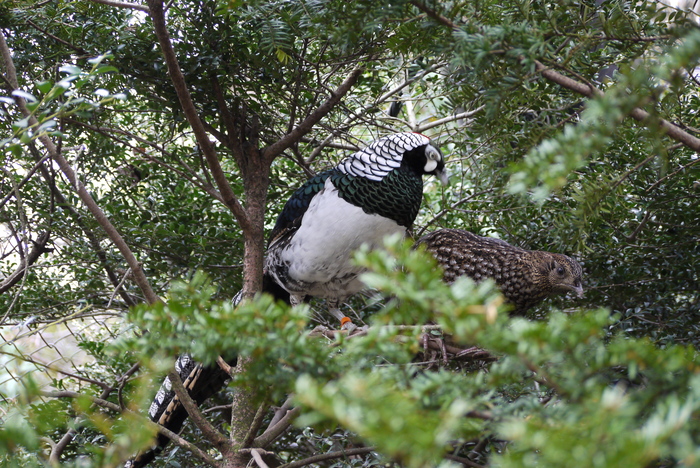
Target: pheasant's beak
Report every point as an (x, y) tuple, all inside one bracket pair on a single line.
[(577, 289), (443, 175)]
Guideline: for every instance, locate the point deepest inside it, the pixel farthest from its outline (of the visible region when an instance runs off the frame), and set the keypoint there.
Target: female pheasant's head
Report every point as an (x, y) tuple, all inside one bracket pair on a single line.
[(412, 151)]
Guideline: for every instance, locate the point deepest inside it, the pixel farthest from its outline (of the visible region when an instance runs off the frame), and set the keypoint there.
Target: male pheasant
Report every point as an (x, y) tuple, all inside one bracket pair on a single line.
[(370, 194)]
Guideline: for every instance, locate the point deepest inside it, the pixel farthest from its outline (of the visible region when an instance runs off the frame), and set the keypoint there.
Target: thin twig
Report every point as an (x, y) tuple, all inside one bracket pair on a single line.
[(435, 123), (79, 50), (118, 287), (682, 168), (178, 79), (210, 432), (98, 401), (133, 6), (329, 456), (24, 180), (55, 369), (358, 113), (22, 269)]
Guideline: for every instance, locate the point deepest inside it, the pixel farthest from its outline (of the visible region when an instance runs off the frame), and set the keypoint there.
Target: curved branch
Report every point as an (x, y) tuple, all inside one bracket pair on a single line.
[(587, 90), (434, 15), (114, 3), (329, 456), (98, 401), (199, 453), (274, 150), (209, 431), (421, 128), (58, 449), (85, 197), (267, 437), (33, 256), (640, 115), (77, 49), (188, 107), (354, 115)]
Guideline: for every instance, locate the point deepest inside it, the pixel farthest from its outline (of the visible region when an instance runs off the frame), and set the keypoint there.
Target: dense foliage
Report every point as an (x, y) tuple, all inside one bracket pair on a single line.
[(568, 126)]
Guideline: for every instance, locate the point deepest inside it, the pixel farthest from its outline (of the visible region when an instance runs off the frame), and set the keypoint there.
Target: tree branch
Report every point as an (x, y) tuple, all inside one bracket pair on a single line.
[(33, 256), (114, 3), (463, 461), (196, 451), (15, 190), (215, 437), (354, 115), (274, 150), (255, 453), (85, 197), (590, 91), (58, 448), (433, 14), (329, 456), (92, 238), (188, 107), (98, 401), (267, 437), (640, 115), (79, 50), (435, 123), (255, 425), (232, 137)]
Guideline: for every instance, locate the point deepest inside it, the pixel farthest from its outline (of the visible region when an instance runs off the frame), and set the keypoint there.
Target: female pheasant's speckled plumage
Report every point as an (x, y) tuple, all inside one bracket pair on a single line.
[(525, 277)]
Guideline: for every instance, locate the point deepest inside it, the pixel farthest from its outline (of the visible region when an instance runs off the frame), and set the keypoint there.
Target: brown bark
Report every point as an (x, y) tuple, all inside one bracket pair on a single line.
[(28, 261), (85, 197), (178, 79), (587, 90)]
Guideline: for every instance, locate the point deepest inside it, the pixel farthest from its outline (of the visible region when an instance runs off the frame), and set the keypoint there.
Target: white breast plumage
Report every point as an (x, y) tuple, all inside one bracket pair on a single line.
[(319, 254)]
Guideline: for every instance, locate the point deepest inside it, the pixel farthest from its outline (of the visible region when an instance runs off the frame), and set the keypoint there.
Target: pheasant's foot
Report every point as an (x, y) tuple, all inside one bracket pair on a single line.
[(346, 325)]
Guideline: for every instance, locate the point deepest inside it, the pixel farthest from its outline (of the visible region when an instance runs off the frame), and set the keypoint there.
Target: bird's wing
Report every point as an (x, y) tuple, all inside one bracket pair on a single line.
[(289, 219)]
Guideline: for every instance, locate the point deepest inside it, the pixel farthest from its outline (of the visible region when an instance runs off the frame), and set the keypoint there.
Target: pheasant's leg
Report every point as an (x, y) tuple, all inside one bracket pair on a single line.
[(295, 300), (345, 322)]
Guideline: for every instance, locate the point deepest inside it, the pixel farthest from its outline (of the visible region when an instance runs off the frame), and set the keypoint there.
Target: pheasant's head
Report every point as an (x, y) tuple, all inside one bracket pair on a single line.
[(435, 163), (412, 151), (564, 275)]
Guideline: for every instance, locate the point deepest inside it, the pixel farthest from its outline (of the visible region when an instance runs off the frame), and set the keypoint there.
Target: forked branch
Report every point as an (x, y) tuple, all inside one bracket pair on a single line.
[(190, 111), (275, 149), (85, 197), (583, 89)]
